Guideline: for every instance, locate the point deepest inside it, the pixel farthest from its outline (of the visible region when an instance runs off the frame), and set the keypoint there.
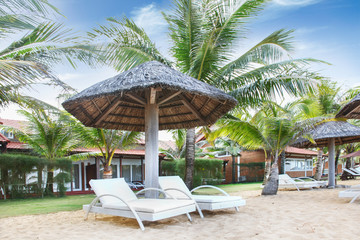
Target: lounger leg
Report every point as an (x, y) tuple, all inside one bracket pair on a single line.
[(356, 197), (189, 217), (236, 209), (199, 210)]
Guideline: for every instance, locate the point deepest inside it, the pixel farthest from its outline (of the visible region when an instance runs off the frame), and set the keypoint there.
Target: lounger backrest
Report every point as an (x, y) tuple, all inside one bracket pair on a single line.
[(115, 186), (167, 182)]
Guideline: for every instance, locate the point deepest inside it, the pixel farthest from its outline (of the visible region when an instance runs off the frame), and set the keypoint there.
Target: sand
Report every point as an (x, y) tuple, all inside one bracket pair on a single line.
[(308, 214)]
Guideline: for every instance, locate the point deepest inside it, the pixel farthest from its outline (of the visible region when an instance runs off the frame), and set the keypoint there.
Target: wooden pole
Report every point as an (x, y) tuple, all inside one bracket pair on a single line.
[(151, 148), (331, 146)]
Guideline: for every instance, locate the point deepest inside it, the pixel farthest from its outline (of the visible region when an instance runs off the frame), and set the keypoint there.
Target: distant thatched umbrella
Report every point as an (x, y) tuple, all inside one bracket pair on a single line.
[(329, 134), (351, 110), (147, 98), (353, 154)]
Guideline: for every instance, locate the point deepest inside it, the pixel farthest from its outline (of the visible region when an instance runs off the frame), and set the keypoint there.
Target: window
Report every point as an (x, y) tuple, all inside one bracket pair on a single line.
[(76, 176), (298, 164), (131, 170)]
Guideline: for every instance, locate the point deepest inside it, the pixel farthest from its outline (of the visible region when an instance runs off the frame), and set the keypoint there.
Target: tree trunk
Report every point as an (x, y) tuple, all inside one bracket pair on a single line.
[(267, 171), (107, 172), (233, 169), (319, 165), (337, 156), (50, 182), (272, 184), (283, 159), (190, 157), (40, 172)]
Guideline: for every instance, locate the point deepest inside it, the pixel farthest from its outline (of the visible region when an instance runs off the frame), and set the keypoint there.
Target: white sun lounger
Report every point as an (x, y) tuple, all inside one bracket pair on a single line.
[(353, 192), (286, 182), (355, 170), (355, 174), (116, 198), (177, 188)]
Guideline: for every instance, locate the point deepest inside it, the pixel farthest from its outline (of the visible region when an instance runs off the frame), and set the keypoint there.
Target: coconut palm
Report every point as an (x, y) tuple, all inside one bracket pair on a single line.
[(106, 141), (29, 60), (204, 35)]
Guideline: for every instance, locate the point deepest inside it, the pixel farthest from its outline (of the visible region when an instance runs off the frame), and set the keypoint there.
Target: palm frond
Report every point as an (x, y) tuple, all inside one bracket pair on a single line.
[(126, 45)]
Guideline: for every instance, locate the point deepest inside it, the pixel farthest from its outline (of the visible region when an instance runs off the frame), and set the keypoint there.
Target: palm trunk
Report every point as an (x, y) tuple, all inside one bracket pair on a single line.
[(272, 184), (233, 169), (107, 172), (319, 165), (267, 171), (190, 158), (50, 182)]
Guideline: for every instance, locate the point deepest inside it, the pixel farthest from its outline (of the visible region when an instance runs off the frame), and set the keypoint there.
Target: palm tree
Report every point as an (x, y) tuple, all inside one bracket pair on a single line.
[(107, 141), (324, 103), (29, 59), (203, 35), (50, 135)]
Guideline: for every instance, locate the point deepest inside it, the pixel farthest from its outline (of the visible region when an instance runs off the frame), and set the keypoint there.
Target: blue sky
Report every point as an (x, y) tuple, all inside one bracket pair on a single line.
[(325, 29)]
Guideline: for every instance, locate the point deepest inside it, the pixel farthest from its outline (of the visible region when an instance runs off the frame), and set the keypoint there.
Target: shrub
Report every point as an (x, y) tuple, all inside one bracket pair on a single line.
[(207, 171)]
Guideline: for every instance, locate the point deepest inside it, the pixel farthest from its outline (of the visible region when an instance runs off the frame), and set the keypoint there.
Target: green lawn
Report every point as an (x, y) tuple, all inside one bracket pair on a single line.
[(18, 207), (229, 188), (9, 208)]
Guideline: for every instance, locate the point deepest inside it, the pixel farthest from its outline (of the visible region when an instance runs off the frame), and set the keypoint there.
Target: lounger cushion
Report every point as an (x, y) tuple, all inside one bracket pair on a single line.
[(150, 205), (115, 186)]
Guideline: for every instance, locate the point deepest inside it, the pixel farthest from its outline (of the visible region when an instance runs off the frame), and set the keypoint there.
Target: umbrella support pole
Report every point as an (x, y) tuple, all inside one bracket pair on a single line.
[(151, 149), (331, 166)]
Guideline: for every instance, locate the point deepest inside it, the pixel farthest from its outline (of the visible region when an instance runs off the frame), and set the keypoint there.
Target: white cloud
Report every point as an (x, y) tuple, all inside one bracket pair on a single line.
[(296, 2), (152, 21), (150, 18)]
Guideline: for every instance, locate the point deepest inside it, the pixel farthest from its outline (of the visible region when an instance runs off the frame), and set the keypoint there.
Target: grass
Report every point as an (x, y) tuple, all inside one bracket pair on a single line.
[(18, 207), (229, 188)]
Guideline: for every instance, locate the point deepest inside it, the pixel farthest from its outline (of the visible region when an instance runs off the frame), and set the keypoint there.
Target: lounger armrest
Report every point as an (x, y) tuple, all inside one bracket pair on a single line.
[(189, 196), (210, 186), (299, 179), (176, 189), (155, 189), (122, 200), (308, 178)]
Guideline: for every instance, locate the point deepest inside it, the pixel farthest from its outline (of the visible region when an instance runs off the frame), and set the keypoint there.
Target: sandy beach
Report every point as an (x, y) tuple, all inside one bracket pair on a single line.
[(308, 214)]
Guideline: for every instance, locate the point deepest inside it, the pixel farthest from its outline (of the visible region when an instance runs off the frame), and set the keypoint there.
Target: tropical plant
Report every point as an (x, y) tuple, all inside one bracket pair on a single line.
[(271, 132), (29, 60), (50, 135), (107, 141), (225, 146), (204, 36)]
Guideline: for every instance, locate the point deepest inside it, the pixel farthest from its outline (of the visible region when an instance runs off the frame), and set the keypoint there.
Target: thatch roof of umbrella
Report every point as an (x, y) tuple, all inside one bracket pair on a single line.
[(342, 131), (118, 102), (351, 110)]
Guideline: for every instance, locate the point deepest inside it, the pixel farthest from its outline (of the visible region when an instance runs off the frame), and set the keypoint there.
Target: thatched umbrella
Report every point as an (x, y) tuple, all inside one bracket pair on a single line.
[(353, 154), (149, 97), (351, 110), (329, 134)]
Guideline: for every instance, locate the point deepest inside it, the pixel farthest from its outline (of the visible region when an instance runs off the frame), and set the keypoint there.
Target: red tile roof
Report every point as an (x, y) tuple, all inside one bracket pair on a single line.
[(139, 152), (18, 124), (300, 151), (16, 145), (3, 138)]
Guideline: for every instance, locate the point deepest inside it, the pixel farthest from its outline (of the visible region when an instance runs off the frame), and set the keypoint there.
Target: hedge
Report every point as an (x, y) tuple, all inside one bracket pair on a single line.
[(207, 171)]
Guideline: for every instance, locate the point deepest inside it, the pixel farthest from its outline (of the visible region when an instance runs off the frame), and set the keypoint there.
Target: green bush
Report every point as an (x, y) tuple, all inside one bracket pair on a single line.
[(207, 171), (14, 167)]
